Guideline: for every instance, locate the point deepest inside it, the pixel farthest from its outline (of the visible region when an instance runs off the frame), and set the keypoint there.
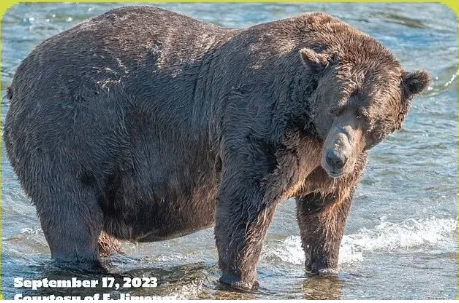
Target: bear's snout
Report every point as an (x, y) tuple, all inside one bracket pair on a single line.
[(337, 153), (336, 160)]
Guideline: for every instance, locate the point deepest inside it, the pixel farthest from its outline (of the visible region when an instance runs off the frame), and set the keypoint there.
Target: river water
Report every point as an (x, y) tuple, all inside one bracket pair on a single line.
[(401, 237)]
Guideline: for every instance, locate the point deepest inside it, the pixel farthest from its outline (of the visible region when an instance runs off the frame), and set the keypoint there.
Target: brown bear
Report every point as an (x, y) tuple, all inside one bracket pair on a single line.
[(148, 125)]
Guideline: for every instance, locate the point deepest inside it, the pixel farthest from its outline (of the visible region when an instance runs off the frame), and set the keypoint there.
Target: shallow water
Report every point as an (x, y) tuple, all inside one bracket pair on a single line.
[(401, 236)]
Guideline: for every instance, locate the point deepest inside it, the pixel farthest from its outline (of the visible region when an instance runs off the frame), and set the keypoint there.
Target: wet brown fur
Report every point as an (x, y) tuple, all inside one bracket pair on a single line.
[(148, 125), (108, 245)]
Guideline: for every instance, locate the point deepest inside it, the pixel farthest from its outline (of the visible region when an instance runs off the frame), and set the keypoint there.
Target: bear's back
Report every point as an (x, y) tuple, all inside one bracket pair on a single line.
[(115, 44)]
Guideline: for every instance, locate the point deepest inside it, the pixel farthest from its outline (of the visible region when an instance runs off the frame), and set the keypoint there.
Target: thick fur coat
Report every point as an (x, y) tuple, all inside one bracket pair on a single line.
[(147, 125)]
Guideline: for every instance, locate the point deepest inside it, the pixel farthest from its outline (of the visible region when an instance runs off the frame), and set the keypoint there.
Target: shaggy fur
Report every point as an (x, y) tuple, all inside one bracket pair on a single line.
[(149, 125)]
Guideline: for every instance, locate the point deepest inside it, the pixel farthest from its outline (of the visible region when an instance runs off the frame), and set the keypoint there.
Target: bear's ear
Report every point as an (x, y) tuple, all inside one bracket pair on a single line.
[(415, 82), (313, 59)]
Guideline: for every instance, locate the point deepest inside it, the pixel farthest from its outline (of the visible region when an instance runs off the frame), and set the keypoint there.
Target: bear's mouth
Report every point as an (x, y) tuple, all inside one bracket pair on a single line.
[(334, 173)]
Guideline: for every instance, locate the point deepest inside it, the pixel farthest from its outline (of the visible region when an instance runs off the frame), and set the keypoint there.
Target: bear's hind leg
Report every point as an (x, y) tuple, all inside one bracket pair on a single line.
[(72, 221), (108, 245)]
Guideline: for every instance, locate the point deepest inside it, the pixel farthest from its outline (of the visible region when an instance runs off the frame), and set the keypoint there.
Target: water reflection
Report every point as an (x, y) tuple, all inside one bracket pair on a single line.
[(412, 176), (322, 288)]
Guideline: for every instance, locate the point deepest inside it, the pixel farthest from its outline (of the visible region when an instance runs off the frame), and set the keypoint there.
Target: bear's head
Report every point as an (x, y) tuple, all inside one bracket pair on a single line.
[(362, 96)]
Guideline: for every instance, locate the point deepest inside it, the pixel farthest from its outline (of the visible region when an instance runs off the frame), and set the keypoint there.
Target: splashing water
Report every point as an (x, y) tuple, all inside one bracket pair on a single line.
[(386, 236), (411, 179)]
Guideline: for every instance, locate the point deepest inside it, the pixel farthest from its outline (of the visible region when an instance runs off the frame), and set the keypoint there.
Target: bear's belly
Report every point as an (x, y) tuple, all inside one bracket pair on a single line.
[(177, 232), (180, 221), (157, 219)]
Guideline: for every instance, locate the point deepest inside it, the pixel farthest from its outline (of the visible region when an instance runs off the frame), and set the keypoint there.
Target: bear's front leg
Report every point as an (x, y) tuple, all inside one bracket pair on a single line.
[(321, 219), (242, 219)]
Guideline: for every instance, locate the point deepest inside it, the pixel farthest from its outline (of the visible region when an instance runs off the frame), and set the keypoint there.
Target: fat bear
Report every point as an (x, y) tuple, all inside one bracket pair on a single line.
[(148, 125)]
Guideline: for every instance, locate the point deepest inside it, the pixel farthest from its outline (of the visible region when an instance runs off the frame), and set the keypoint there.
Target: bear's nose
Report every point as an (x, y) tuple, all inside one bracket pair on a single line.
[(335, 160)]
